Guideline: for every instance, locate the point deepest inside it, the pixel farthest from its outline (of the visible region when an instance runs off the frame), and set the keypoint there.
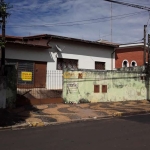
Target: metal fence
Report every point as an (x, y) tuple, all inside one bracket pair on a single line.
[(35, 86)]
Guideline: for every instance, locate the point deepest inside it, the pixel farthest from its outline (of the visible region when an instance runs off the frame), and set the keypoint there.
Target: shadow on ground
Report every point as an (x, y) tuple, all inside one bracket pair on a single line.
[(143, 118), (9, 117)]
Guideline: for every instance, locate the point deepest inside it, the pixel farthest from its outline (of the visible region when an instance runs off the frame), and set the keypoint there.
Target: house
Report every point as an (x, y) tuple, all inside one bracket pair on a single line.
[(41, 53), (130, 55), (40, 60)]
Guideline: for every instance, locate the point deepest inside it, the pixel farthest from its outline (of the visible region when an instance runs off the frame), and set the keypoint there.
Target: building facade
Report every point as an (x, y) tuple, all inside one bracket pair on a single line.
[(130, 55), (34, 56)]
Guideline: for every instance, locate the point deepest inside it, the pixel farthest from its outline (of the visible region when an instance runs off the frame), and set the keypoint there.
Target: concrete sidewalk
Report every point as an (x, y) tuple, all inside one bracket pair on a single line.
[(42, 115)]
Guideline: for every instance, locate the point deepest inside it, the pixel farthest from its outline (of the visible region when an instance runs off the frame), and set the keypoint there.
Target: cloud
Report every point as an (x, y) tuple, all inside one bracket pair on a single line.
[(27, 15)]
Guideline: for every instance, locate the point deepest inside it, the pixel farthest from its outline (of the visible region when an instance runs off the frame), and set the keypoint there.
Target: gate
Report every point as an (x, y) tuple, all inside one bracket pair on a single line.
[(40, 87)]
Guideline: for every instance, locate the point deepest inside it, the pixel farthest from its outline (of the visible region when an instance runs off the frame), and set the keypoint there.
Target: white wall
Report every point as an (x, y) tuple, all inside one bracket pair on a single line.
[(86, 54)]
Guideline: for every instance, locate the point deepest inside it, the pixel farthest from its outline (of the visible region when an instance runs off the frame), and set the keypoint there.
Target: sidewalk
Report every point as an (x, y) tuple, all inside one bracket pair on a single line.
[(42, 115)]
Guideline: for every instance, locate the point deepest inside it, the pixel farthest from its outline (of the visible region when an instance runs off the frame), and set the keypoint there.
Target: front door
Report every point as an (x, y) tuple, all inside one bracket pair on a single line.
[(40, 74)]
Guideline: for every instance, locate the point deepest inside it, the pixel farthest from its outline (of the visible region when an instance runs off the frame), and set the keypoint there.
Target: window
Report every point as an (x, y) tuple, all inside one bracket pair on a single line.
[(67, 64), (25, 72), (125, 63), (133, 63), (29, 74), (99, 65)]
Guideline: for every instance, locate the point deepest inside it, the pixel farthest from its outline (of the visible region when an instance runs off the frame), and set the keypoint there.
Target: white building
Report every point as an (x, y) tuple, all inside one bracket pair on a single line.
[(38, 57)]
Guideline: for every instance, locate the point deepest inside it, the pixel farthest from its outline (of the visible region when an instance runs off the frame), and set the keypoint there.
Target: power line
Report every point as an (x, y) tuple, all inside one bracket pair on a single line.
[(40, 5), (81, 22)]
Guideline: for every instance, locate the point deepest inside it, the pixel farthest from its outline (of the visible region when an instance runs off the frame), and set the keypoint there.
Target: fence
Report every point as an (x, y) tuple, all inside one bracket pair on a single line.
[(45, 87)]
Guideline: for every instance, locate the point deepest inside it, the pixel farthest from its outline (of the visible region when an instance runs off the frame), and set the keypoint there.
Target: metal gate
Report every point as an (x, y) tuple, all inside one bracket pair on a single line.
[(39, 88)]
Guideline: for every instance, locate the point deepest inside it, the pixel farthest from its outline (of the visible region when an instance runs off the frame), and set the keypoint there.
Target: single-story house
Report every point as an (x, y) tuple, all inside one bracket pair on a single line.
[(36, 56)]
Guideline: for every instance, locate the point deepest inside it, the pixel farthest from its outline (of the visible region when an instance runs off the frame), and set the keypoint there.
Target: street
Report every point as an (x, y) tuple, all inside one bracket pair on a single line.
[(126, 133)]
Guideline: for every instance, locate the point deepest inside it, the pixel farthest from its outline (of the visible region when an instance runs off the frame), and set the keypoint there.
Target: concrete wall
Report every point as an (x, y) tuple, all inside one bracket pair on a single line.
[(91, 86), (2, 92), (86, 54), (11, 85)]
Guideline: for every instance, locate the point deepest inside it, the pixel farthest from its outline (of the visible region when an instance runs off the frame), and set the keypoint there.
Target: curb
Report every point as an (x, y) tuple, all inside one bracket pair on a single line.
[(123, 114), (43, 124)]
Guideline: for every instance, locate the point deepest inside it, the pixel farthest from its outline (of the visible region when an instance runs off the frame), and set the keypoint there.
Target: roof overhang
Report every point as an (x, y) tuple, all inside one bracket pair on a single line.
[(26, 44), (70, 39)]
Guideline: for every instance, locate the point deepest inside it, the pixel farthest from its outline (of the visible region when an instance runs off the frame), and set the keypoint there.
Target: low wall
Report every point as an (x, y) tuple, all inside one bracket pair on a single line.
[(103, 86), (2, 92), (11, 85)]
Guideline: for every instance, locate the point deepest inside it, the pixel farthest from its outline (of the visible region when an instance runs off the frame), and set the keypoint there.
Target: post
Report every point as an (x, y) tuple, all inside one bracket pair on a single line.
[(148, 71), (148, 67), (3, 37), (144, 54)]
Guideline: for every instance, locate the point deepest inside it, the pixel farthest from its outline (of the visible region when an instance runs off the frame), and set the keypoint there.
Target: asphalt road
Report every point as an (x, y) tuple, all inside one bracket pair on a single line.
[(130, 133)]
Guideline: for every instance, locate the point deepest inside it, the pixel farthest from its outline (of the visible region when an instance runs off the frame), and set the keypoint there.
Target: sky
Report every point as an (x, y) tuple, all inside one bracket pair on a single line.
[(83, 19)]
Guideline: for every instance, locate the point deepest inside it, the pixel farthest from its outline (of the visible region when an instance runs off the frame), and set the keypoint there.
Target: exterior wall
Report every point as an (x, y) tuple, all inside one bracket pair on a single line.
[(129, 54), (23, 52), (86, 54), (105, 86)]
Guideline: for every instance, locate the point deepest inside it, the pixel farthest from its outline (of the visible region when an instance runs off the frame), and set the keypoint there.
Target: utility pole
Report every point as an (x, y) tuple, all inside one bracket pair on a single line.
[(3, 41), (148, 67), (144, 54), (3, 16)]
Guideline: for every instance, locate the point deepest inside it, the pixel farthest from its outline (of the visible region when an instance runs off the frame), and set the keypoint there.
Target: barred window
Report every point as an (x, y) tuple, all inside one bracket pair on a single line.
[(67, 64), (99, 65), (25, 72)]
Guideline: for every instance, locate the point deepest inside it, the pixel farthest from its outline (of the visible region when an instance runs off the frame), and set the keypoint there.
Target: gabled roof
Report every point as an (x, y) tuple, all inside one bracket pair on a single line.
[(71, 39), (50, 36), (27, 44)]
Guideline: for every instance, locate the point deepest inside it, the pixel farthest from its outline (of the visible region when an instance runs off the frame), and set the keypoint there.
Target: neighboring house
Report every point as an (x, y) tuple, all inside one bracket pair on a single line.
[(36, 55), (130, 55)]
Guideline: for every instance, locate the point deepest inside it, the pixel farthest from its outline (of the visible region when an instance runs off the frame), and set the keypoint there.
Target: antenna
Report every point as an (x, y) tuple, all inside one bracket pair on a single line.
[(58, 48), (111, 21)]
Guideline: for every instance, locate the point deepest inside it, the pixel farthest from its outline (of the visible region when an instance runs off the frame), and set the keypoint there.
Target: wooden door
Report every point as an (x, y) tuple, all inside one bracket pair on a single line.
[(40, 74)]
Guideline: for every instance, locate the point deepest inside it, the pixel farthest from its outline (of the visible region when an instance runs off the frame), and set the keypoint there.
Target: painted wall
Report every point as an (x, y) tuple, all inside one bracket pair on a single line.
[(23, 52), (86, 54), (105, 86)]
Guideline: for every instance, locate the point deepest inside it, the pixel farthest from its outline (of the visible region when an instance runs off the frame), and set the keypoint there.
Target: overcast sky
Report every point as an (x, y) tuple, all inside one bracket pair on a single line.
[(84, 19)]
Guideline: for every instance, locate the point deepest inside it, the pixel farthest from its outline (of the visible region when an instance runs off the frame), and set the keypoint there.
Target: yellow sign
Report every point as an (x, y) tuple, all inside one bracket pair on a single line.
[(26, 76)]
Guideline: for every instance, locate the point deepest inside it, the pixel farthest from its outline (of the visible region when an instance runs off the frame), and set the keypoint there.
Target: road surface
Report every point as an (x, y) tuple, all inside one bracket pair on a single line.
[(128, 133)]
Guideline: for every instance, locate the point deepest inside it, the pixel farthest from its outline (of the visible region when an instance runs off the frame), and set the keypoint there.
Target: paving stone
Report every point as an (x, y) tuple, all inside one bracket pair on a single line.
[(65, 110), (47, 119), (42, 106), (33, 120), (61, 118)]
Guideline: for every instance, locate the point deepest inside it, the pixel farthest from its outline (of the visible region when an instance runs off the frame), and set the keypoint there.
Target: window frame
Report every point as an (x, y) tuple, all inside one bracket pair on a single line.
[(104, 64), (64, 60), (123, 63), (133, 61)]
